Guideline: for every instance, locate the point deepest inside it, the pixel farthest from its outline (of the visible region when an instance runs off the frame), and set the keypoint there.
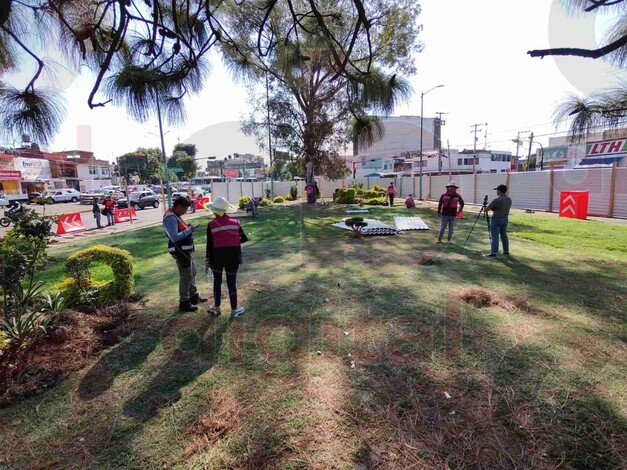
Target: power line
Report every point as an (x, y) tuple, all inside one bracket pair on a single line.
[(551, 134)]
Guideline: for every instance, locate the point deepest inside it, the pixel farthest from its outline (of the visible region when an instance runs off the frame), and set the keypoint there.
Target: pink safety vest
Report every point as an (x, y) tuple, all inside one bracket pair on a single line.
[(391, 190), (225, 231)]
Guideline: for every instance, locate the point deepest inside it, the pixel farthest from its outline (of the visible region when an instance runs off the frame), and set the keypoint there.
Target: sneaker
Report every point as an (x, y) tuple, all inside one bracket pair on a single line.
[(506, 254), (238, 312), (491, 255), (215, 311), (439, 242)]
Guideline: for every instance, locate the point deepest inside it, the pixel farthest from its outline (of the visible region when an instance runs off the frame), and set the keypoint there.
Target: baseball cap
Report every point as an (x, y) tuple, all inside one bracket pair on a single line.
[(502, 188)]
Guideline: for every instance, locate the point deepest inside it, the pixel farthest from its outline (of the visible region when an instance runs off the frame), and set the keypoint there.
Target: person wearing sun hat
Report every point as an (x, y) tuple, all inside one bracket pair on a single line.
[(448, 206), (224, 253)]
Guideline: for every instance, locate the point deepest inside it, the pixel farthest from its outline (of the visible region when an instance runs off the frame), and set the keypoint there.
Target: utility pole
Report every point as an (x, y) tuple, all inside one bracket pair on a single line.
[(529, 154), (517, 141), (441, 123), (477, 128)]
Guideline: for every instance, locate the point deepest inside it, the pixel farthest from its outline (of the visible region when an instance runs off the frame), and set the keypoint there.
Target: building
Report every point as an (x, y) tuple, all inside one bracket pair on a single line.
[(236, 165), (91, 172)]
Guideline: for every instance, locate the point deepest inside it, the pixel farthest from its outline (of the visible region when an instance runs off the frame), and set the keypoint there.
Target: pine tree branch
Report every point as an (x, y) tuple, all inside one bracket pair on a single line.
[(588, 53)]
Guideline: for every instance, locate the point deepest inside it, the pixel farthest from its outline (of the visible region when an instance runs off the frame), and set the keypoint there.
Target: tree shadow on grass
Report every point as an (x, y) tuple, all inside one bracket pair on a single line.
[(193, 345)]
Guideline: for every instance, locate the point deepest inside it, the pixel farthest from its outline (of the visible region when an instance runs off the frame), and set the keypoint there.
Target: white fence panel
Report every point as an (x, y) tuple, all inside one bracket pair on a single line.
[(596, 180), (486, 183), (530, 190), (438, 186), (466, 187), (218, 190), (328, 187), (404, 186), (620, 196)]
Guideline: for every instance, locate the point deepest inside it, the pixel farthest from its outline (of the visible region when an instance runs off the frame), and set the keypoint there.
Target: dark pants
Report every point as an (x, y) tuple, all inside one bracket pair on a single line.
[(231, 268), (391, 199)]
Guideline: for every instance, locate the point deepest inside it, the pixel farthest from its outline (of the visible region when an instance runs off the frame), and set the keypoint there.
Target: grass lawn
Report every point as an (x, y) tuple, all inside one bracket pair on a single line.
[(356, 353)]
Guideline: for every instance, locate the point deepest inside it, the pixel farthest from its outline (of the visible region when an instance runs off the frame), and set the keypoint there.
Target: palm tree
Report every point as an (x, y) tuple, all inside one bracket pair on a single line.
[(318, 104)]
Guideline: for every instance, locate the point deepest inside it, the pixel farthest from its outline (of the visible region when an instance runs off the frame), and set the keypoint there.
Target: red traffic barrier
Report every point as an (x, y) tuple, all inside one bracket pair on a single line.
[(201, 201), (574, 204), (70, 223), (124, 215)]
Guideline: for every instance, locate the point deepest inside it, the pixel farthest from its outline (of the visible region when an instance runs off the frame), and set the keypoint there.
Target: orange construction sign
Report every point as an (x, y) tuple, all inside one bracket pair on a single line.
[(574, 204), (124, 215), (201, 201), (70, 223)]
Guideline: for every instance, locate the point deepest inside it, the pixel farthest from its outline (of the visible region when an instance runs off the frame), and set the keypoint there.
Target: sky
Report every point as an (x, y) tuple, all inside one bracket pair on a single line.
[(477, 50)]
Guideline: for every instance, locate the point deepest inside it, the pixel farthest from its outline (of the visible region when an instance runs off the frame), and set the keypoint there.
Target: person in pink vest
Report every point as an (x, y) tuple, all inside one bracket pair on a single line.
[(224, 253), (449, 205), (391, 192)]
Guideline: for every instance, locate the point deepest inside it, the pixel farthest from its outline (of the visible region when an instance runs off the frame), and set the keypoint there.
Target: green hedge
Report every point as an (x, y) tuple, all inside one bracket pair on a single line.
[(80, 287), (278, 200), (264, 202), (354, 195), (242, 202), (377, 201)]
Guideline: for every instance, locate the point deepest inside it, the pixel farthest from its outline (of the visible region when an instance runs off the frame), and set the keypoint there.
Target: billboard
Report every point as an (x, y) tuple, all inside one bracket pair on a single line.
[(33, 168)]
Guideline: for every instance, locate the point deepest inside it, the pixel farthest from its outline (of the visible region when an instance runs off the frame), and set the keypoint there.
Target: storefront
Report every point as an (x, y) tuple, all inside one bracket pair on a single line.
[(35, 172), (9, 176)]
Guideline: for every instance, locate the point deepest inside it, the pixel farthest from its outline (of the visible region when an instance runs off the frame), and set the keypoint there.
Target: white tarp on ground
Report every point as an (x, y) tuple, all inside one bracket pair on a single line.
[(410, 223), (374, 227)]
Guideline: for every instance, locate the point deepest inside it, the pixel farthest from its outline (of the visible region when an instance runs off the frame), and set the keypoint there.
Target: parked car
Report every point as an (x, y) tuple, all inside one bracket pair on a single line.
[(101, 193), (61, 195), (139, 200)]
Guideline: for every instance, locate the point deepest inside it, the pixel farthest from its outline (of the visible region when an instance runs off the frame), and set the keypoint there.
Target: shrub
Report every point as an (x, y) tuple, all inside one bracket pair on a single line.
[(358, 200), (242, 202), (356, 185), (293, 192), (288, 197), (379, 188), (350, 195), (264, 202), (373, 193), (339, 196), (278, 200), (377, 201), (120, 262)]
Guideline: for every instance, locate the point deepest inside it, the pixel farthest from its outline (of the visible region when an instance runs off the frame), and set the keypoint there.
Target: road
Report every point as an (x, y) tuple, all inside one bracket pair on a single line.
[(146, 217)]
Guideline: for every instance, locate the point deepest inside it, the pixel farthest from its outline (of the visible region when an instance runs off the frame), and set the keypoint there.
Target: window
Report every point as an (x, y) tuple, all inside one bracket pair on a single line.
[(492, 171), (92, 170), (460, 161), (104, 171)]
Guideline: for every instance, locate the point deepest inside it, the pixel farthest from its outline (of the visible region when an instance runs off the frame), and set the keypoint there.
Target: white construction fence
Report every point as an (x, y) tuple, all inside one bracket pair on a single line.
[(538, 190)]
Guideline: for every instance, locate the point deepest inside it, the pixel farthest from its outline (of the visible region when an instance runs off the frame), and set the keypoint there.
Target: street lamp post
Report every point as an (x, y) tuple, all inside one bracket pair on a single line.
[(422, 100), (269, 134), (165, 161)]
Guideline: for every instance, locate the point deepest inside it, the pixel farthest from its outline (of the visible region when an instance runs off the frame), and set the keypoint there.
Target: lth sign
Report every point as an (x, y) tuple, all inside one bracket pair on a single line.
[(608, 147)]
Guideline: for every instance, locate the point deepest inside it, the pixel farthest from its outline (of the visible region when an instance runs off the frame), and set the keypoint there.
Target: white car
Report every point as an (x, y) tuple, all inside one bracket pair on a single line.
[(61, 195)]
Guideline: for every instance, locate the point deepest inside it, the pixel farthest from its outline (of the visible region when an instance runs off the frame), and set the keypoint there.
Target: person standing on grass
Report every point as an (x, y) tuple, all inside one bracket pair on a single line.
[(181, 247), (95, 208), (391, 192), (224, 253), (449, 205), (500, 208)]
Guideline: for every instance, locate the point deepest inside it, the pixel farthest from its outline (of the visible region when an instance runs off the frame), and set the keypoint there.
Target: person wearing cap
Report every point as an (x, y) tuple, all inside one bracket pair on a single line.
[(391, 192), (181, 247), (500, 207), (449, 205), (224, 253)]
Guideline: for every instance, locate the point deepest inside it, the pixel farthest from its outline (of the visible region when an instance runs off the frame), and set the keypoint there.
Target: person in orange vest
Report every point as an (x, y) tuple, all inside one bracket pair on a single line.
[(109, 210), (224, 253), (449, 205), (391, 192), (181, 247)]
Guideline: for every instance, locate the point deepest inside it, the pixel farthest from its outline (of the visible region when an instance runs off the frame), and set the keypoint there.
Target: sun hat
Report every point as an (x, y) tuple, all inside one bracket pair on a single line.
[(452, 183), (219, 206)]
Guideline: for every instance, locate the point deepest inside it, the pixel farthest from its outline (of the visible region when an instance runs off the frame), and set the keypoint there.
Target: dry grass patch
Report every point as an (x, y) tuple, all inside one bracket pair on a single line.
[(482, 298)]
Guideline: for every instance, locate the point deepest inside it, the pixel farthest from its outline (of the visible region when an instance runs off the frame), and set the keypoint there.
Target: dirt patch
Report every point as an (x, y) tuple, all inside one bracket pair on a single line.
[(429, 259), (482, 298), (69, 347), (221, 421)]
